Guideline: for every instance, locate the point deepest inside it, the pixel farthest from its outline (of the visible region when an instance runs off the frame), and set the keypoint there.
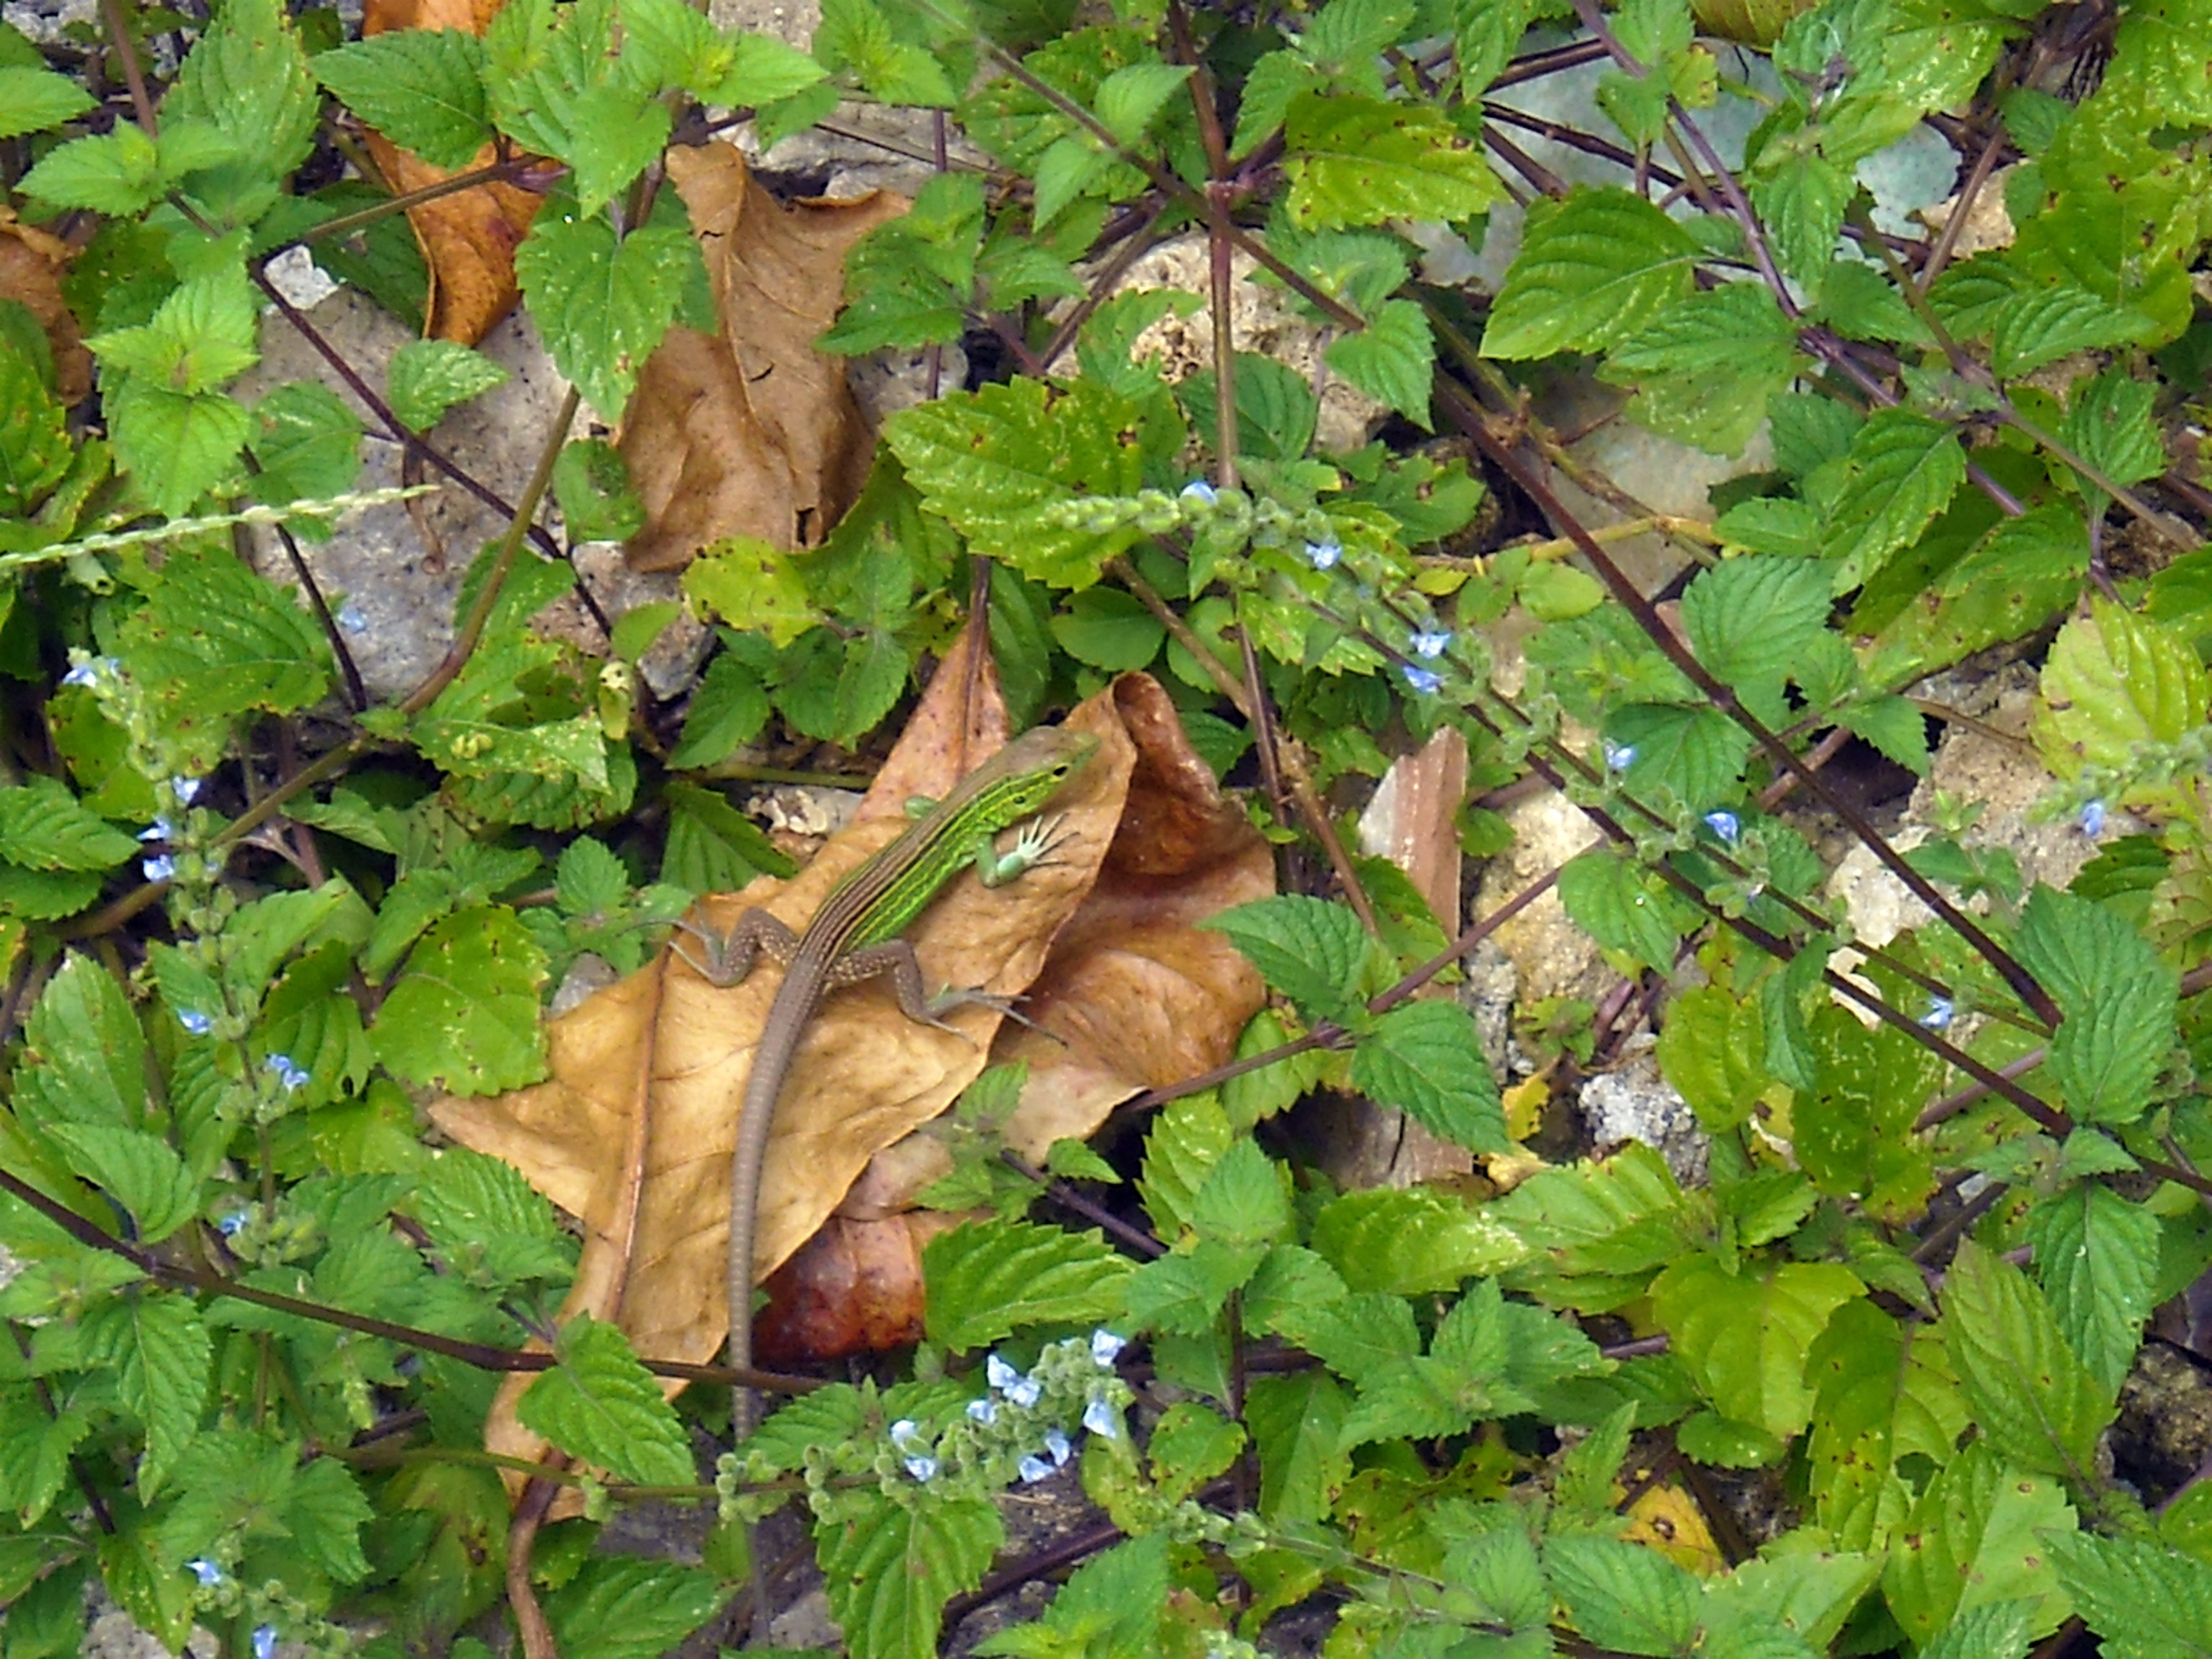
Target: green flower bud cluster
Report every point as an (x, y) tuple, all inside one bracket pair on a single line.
[(2148, 766)]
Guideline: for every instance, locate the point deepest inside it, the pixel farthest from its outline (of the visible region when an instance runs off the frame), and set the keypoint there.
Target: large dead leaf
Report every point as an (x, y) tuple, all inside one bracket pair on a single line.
[(1138, 996), (468, 238), (751, 431), (30, 265), (633, 1133)]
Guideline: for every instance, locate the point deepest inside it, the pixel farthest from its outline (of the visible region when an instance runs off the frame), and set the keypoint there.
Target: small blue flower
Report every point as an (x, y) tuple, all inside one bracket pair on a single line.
[(1058, 1444), (1323, 555), (922, 1466), (1618, 757), (1099, 1417), (1430, 642), (1033, 1470), (230, 1225), (188, 789), (265, 1642), (1000, 1373), (984, 1411), (1938, 1015), (1423, 680), (287, 1074), (160, 829), (90, 670), (205, 1570), (162, 867), (1724, 824), (1025, 1392), (2093, 820), (1199, 490), (193, 1020), (354, 619), (905, 1434), (1106, 1347)]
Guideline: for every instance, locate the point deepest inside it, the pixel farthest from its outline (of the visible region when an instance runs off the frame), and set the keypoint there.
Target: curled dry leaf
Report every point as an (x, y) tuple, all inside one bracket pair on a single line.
[(468, 238), (751, 431), (633, 1131), (30, 265), (855, 1287), (1140, 997)]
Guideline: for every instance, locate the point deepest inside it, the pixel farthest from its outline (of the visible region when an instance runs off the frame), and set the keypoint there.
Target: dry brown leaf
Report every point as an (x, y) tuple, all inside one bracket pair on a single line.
[(652, 1185), (1411, 821), (855, 1287), (1139, 995), (752, 432), (468, 238), (30, 265)]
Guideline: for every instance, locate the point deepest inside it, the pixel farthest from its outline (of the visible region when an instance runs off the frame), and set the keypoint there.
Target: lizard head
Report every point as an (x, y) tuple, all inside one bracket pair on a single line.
[(1038, 762)]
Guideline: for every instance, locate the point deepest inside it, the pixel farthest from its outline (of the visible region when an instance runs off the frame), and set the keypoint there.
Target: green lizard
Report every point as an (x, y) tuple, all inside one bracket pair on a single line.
[(854, 936)]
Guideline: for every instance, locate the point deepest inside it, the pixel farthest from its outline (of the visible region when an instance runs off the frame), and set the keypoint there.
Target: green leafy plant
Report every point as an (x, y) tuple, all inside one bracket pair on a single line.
[(249, 911)]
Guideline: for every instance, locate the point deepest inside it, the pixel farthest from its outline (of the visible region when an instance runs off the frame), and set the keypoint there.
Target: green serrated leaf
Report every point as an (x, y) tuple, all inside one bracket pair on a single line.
[(140, 1171), (1704, 368), (1425, 1059), (2034, 1402), (34, 100), (1004, 464), (1744, 1338), (1355, 161), (1183, 1292), (34, 443), (1295, 1424), (307, 441), (2096, 1256), (422, 88), (247, 79), (600, 1405), (603, 302), (889, 1568), (2118, 999), (1622, 906), (2144, 1602), (1902, 470), (35, 1443), (463, 1014), (1855, 1136), (1885, 1395), (598, 503), (429, 377), (1981, 1535), (988, 1279), (1696, 755), (215, 641), (86, 1058), (43, 827), (1411, 1241), (1752, 620), (1711, 1050), (2115, 679), (1393, 359), (1313, 952), (158, 1349), (1593, 270), (175, 446), (1623, 1597), (626, 1607)]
